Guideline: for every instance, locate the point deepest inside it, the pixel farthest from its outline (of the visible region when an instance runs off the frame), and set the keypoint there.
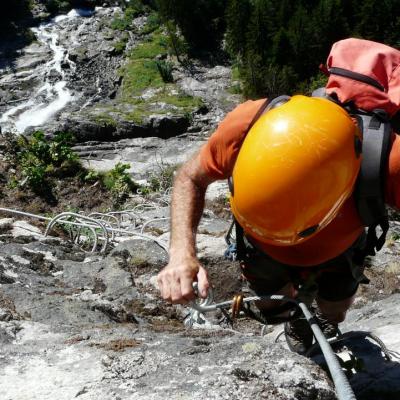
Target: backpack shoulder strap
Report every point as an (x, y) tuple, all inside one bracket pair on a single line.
[(370, 184), (370, 189)]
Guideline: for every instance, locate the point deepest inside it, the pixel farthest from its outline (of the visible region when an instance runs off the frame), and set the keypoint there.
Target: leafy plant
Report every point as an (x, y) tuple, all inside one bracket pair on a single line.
[(165, 70), (91, 176), (39, 157), (119, 182), (60, 149), (152, 23), (162, 178)]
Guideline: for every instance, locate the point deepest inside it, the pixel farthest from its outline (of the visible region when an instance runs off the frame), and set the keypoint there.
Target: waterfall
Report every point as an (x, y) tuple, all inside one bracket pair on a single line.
[(53, 94)]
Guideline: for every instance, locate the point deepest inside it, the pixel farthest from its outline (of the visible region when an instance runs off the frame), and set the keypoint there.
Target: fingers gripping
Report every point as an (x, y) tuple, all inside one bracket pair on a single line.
[(176, 282)]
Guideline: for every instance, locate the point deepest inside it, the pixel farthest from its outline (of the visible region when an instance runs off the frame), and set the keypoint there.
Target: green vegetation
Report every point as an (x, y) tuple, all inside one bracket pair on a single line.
[(11, 19), (120, 45), (165, 70), (141, 71), (39, 161), (148, 68), (119, 182), (276, 45), (162, 178), (140, 109), (279, 45), (58, 6), (39, 158), (201, 22), (134, 9), (152, 24)]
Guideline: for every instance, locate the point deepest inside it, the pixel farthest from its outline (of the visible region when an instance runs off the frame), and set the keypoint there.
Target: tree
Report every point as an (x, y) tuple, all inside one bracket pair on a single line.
[(237, 19), (12, 14), (202, 22), (378, 20)]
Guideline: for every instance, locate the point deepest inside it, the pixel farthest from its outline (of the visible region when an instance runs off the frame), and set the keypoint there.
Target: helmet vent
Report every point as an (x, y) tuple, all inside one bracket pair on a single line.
[(309, 231)]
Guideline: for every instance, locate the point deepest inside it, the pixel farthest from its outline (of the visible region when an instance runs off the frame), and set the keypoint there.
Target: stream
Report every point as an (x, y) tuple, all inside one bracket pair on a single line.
[(52, 93)]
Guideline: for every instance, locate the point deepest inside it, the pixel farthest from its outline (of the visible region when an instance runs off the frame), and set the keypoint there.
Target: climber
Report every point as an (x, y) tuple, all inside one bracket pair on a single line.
[(293, 165)]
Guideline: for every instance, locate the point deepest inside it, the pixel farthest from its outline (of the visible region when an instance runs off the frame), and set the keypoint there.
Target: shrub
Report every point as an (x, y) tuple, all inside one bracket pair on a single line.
[(124, 22), (39, 157), (119, 182), (165, 70), (120, 45), (162, 178)]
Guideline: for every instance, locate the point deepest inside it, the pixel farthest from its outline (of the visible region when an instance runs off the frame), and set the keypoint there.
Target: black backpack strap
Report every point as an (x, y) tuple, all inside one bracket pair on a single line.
[(370, 184), (369, 192), (355, 76)]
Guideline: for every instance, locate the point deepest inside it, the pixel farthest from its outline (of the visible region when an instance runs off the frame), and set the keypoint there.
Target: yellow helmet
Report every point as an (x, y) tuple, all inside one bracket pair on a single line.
[(296, 167)]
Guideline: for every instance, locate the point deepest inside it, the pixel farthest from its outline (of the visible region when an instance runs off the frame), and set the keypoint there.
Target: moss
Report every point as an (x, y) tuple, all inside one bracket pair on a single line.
[(155, 45), (138, 115), (140, 109), (120, 45), (185, 104), (181, 100), (139, 75), (104, 119)]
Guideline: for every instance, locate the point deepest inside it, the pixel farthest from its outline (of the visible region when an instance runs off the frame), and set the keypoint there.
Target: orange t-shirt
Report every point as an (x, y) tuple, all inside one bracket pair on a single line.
[(218, 157)]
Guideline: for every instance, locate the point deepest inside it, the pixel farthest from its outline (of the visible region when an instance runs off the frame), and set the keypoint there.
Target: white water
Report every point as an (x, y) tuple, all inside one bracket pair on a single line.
[(50, 97)]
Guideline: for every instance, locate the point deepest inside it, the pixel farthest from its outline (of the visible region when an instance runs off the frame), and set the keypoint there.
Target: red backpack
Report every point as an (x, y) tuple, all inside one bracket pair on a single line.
[(365, 73), (364, 78)]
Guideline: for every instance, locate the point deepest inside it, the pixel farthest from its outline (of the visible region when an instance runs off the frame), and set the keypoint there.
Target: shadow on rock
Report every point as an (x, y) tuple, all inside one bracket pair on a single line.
[(373, 371)]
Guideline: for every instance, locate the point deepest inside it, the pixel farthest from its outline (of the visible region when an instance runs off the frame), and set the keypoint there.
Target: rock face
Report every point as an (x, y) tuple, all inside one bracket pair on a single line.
[(69, 80), (75, 324), (55, 74), (94, 326)]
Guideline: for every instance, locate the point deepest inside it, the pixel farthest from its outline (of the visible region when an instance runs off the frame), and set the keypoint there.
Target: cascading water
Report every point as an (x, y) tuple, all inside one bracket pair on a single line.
[(52, 95)]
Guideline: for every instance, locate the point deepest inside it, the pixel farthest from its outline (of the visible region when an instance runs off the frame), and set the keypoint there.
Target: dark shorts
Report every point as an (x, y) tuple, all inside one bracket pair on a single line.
[(334, 280)]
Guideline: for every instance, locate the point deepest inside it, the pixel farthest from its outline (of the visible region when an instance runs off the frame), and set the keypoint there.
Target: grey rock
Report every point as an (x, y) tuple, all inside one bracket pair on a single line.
[(141, 251)]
